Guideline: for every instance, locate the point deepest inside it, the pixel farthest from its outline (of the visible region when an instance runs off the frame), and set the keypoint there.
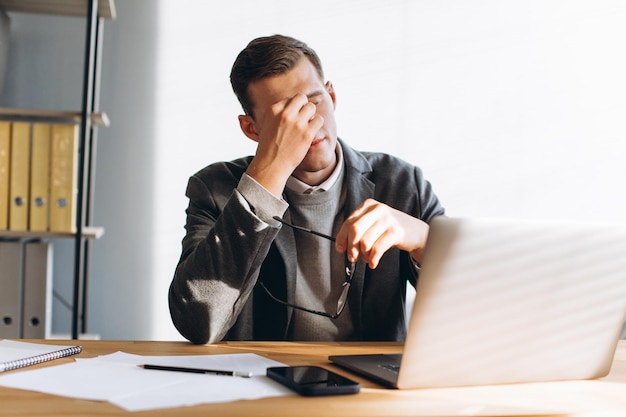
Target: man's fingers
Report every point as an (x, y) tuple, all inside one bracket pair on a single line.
[(383, 243), (373, 228), (353, 229), (374, 241)]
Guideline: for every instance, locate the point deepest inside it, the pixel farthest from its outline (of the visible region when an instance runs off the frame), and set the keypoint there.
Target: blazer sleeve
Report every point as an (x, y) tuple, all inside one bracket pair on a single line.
[(428, 202), (222, 252)]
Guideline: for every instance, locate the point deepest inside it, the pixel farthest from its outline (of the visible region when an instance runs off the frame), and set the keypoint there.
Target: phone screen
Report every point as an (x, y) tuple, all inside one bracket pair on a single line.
[(313, 380)]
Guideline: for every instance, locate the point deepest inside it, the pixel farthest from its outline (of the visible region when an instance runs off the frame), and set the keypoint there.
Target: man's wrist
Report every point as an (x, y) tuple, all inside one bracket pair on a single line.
[(264, 203), (271, 181)]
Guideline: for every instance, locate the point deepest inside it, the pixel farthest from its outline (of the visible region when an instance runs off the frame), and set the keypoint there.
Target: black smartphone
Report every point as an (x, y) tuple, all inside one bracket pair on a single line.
[(313, 380)]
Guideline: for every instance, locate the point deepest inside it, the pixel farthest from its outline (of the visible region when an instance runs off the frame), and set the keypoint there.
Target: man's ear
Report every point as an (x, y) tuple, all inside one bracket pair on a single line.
[(248, 127), (331, 92)]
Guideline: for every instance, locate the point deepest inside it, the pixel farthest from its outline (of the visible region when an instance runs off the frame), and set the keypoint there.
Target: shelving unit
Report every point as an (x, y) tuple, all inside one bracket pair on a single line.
[(89, 118)]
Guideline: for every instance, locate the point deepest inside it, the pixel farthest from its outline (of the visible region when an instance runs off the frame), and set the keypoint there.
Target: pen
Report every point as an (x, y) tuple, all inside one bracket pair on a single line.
[(196, 370)]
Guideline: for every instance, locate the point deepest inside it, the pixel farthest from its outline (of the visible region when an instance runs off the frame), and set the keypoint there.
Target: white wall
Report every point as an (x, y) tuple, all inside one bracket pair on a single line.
[(513, 109)]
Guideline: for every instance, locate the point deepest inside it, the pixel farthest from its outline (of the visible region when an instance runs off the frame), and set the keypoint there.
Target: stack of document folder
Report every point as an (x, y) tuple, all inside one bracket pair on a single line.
[(38, 176), (26, 295)]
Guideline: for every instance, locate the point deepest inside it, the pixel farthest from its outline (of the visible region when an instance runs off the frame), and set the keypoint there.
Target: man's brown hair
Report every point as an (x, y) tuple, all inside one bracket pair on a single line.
[(266, 57)]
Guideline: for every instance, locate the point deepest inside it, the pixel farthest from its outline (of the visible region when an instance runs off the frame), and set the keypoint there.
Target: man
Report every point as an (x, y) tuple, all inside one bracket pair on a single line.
[(243, 274)]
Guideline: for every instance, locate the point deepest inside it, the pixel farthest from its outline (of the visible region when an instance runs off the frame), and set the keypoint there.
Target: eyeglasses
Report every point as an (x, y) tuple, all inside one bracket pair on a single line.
[(343, 298)]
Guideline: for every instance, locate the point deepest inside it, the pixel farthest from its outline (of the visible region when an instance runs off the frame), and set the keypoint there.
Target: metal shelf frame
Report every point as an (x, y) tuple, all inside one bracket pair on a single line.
[(94, 11), (86, 166)]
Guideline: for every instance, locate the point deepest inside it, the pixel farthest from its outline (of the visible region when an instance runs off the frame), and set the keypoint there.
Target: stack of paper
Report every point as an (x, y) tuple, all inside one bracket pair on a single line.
[(117, 378)]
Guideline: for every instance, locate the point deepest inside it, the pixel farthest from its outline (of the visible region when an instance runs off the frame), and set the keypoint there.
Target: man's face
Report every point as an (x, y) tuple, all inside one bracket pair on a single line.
[(320, 159)]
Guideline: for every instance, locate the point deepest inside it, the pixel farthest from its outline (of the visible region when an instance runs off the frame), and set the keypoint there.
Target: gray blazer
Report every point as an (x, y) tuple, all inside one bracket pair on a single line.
[(228, 249)]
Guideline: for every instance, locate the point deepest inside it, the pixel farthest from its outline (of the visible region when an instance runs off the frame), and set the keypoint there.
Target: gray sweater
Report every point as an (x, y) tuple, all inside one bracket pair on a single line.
[(320, 268)]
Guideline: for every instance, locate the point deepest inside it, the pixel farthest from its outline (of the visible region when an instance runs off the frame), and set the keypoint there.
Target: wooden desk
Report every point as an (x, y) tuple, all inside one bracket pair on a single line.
[(605, 397)]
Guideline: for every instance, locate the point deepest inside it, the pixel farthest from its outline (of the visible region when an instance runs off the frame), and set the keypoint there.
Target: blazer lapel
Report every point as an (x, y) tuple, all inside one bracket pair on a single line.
[(358, 189), (286, 245)]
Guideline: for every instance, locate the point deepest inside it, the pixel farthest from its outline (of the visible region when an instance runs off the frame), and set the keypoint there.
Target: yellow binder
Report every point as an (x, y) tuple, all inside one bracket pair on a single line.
[(63, 178), (39, 177), (5, 152), (19, 175)]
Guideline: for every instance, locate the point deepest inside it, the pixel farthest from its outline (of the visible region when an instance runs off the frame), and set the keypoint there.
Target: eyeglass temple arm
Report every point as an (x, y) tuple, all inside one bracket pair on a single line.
[(303, 229)]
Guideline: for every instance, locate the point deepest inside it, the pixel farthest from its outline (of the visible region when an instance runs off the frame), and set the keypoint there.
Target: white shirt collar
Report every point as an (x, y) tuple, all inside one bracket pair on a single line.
[(298, 186)]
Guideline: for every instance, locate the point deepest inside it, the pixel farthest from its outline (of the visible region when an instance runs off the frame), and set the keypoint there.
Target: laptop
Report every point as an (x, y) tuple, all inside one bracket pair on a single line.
[(509, 301)]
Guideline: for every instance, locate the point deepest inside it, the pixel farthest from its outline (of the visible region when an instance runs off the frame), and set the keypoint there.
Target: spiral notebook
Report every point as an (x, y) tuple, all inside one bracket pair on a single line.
[(14, 354)]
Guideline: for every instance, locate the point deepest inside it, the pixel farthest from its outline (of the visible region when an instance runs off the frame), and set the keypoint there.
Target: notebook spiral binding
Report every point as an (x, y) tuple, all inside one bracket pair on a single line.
[(44, 357)]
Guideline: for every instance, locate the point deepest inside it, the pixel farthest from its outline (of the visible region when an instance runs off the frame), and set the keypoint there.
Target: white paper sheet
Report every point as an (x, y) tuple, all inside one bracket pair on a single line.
[(117, 378)]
